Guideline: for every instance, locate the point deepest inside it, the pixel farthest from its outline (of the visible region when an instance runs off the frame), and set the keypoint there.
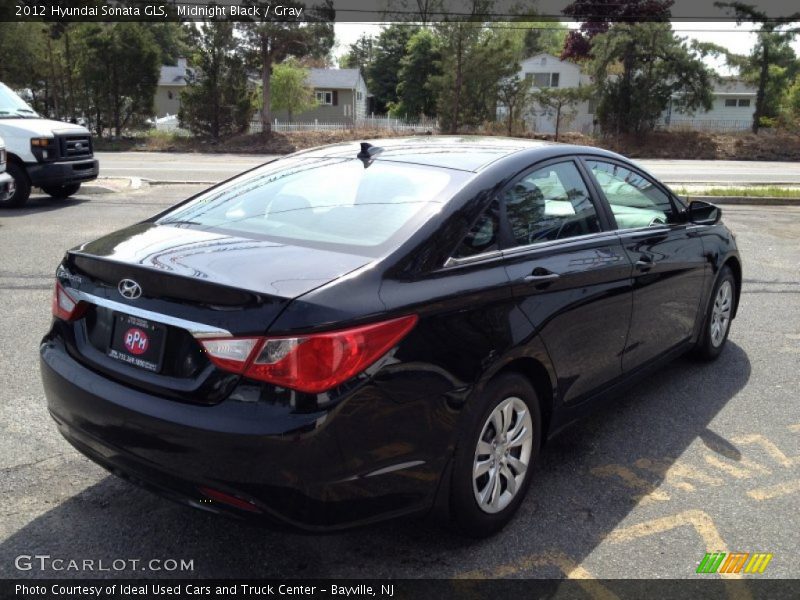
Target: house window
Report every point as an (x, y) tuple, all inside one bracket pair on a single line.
[(592, 107), (544, 80), (358, 96), (730, 102), (170, 95), (324, 97), (744, 101)]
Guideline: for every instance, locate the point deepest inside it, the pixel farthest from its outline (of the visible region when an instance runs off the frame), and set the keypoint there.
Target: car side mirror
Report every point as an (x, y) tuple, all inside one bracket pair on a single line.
[(704, 213)]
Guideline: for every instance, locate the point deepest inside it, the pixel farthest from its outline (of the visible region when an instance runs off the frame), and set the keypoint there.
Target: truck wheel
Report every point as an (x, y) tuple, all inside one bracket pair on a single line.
[(22, 183), (61, 191)]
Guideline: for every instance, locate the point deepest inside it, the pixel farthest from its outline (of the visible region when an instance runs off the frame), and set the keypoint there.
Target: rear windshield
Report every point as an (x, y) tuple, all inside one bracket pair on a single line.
[(323, 201)]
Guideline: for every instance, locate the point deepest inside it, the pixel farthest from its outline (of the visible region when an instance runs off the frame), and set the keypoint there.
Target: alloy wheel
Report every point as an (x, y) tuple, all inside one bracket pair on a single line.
[(502, 455), (721, 313)]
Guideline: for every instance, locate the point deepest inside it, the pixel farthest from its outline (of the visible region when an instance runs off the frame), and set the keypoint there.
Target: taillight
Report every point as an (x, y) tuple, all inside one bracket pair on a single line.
[(65, 306), (309, 363)]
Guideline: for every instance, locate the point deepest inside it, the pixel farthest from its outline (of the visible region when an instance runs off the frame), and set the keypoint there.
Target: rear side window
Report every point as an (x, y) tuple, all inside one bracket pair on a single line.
[(483, 236), (551, 203), (324, 201), (634, 200)]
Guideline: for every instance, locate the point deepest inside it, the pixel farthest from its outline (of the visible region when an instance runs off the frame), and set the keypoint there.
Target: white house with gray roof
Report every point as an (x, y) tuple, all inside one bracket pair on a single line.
[(341, 96), (732, 107), (172, 81)]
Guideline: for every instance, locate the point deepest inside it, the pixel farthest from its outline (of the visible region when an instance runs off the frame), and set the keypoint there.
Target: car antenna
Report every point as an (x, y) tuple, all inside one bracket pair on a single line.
[(367, 152)]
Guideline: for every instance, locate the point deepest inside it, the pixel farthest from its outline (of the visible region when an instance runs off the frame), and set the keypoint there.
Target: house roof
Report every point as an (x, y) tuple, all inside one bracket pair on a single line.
[(734, 86), (334, 78)]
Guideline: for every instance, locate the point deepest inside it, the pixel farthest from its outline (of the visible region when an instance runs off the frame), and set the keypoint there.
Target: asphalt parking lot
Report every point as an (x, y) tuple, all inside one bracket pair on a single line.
[(699, 458)]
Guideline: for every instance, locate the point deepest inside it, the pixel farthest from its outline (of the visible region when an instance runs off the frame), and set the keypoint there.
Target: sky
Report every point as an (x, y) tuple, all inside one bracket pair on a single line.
[(737, 39)]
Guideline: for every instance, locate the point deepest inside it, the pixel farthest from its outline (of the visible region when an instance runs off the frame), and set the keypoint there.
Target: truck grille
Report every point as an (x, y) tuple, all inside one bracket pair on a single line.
[(76, 146)]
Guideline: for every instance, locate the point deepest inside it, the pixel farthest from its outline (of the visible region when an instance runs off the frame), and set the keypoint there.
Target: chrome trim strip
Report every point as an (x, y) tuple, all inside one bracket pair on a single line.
[(385, 470), (476, 258), (599, 235), (640, 230), (468, 260), (198, 330), (397, 467)]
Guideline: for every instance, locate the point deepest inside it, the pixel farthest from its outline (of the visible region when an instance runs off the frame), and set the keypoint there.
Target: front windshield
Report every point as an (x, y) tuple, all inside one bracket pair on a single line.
[(329, 201), (12, 105)]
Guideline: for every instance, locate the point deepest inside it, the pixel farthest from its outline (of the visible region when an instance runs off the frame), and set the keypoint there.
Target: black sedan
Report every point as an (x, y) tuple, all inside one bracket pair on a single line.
[(362, 331)]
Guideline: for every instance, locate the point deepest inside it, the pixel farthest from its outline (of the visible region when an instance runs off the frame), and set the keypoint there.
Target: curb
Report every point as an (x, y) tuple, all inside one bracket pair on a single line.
[(177, 182), (747, 200), (104, 185)]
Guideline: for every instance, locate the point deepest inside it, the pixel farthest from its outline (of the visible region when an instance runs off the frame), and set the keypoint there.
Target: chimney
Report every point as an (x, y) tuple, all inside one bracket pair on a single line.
[(182, 63)]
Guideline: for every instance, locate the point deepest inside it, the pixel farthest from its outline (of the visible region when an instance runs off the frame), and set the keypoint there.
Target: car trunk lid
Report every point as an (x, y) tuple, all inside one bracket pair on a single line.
[(190, 284)]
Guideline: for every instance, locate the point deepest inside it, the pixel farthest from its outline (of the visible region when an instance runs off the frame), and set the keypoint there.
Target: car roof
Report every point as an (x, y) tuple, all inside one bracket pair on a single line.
[(465, 153)]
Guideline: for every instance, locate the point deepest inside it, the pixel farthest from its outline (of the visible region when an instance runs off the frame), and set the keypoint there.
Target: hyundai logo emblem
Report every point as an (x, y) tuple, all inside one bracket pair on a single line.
[(129, 289)]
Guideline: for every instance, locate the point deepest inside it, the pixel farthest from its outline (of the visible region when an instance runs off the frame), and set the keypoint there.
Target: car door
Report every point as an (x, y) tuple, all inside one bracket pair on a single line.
[(667, 254), (569, 274)]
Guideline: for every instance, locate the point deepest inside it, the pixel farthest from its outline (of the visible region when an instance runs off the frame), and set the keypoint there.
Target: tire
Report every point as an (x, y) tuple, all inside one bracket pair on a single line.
[(468, 514), (61, 191), (717, 321), (22, 183)]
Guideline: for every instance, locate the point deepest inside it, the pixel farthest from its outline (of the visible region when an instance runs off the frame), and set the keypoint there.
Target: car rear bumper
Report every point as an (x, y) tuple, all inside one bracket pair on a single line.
[(63, 173), (290, 469)]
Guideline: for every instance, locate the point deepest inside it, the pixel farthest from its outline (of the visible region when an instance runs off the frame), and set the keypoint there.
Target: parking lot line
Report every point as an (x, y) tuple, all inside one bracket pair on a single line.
[(775, 491)]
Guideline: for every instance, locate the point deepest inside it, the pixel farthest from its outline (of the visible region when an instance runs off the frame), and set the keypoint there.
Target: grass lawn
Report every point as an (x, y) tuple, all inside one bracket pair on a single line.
[(763, 191)]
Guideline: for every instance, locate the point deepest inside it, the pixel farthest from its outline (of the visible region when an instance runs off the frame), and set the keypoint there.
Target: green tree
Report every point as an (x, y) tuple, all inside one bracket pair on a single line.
[(564, 101), (383, 72), (475, 59), (637, 68), (543, 36), (772, 43), (217, 101), (25, 42), (290, 89), (119, 67), (173, 39), (359, 55), (418, 66), (515, 94), (272, 42), (790, 104)]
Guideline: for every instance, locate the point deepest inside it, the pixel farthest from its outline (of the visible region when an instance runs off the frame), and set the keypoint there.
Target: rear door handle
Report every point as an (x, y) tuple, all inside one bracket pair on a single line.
[(645, 263), (540, 275)]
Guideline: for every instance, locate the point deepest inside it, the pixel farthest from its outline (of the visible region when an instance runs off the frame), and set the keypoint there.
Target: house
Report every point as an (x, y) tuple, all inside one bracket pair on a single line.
[(732, 108), (341, 96), (171, 82), (547, 71), (733, 104)]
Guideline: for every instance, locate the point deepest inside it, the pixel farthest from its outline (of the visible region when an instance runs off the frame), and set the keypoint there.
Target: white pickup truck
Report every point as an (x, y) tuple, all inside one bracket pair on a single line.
[(52, 155)]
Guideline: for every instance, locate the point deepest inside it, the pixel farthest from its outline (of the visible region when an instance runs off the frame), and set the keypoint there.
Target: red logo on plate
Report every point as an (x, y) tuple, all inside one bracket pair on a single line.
[(136, 341)]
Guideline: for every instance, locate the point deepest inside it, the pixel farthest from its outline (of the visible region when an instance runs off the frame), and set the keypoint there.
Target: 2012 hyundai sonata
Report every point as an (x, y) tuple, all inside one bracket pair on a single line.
[(362, 331)]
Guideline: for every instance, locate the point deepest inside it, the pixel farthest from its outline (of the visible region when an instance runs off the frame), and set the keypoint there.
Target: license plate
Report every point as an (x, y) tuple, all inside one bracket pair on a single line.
[(138, 342)]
